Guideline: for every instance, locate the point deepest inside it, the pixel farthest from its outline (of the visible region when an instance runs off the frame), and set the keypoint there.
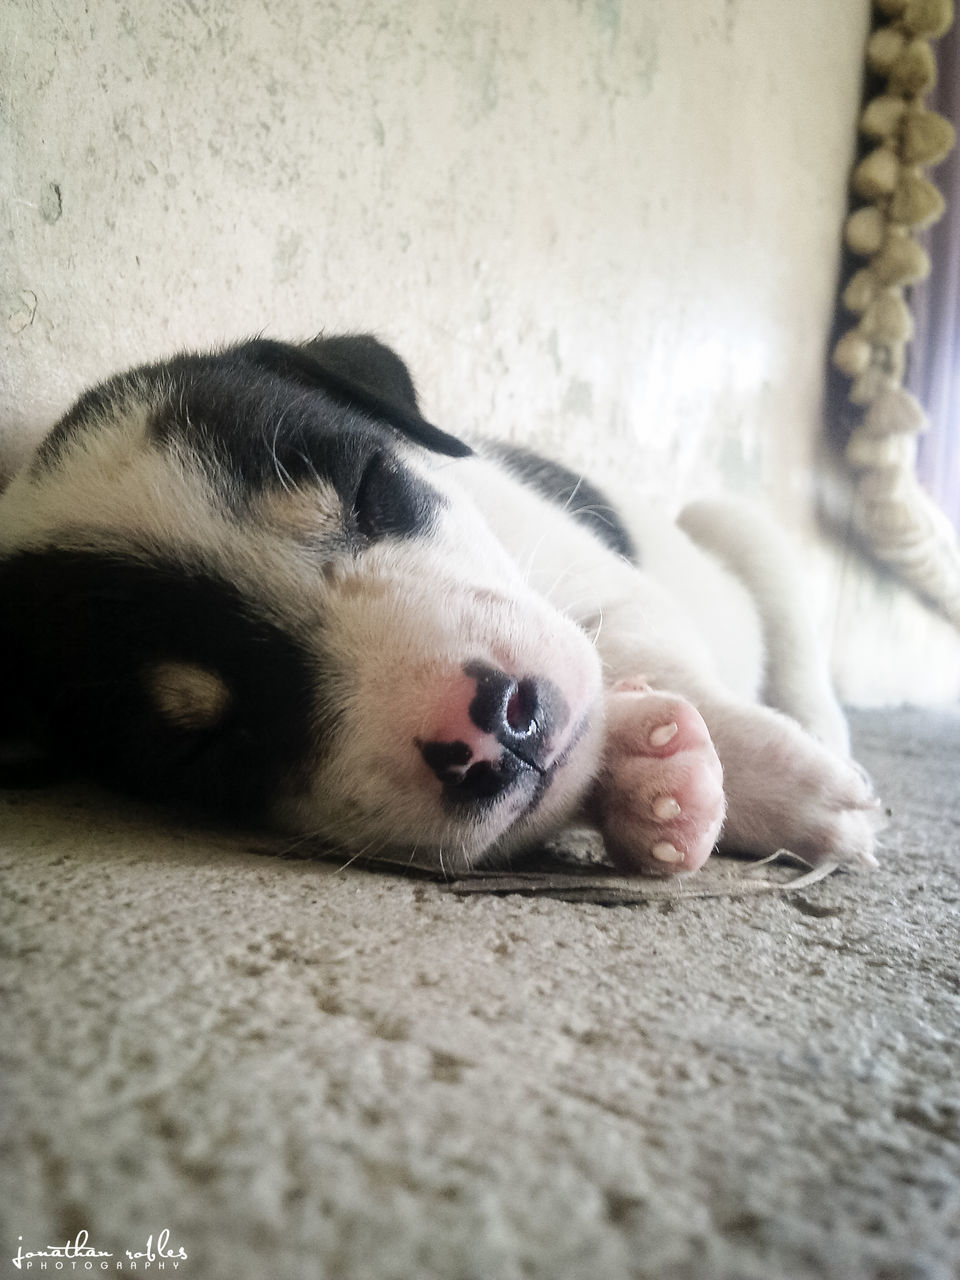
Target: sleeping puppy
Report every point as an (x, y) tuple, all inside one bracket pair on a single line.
[(257, 584)]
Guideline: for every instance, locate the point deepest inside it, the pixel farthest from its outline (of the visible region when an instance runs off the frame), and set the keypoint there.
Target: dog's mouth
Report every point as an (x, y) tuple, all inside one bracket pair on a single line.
[(543, 777), (466, 783), (537, 797)]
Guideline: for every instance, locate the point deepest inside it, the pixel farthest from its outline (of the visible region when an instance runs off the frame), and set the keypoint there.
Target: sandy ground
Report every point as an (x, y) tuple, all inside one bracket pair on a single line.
[(305, 1072)]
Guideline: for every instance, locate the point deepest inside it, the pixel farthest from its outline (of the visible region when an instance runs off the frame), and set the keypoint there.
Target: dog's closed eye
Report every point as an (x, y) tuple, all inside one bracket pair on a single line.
[(390, 500)]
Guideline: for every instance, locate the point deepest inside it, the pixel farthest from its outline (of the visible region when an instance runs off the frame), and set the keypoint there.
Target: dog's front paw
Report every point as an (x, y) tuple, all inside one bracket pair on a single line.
[(787, 791), (658, 799)]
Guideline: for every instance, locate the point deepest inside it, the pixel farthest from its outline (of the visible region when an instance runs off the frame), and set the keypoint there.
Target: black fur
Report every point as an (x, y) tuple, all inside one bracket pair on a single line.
[(578, 496), (263, 395), (263, 415), (359, 371), (263, 432), (81, 633)]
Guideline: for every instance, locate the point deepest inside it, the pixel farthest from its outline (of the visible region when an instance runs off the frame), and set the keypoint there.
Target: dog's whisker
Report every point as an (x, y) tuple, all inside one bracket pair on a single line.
[(526, 571), (282, 474), (365, 851), (573, 493), (576, 570)]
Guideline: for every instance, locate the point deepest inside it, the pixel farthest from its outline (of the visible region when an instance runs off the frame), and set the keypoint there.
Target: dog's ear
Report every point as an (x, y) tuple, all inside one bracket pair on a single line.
[(361, 371)]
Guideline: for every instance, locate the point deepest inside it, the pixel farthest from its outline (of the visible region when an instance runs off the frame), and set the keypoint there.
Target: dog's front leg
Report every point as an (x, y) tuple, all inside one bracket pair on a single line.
[(655, 799), (785, 790), (663, 800)]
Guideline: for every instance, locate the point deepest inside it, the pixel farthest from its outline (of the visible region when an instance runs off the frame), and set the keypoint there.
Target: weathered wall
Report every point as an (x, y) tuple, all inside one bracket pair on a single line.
[(610, 228)]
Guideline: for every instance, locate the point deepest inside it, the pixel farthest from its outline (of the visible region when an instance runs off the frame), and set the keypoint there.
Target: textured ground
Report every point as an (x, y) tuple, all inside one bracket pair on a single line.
[(311, 1073)]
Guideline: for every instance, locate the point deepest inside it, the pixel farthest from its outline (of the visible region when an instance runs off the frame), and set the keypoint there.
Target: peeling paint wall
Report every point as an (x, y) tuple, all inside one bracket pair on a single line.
[(608, 228)]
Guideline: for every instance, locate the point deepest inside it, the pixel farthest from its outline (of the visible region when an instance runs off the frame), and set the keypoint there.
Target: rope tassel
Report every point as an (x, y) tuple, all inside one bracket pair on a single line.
[(898, 520)]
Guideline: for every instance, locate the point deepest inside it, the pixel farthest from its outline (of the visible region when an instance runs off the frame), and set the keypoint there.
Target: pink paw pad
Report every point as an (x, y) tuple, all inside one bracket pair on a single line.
[(659, 797)]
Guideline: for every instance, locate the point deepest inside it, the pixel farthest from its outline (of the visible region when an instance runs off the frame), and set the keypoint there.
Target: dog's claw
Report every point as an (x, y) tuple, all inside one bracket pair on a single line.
[(665, 808), (663, 734), (664, 851)]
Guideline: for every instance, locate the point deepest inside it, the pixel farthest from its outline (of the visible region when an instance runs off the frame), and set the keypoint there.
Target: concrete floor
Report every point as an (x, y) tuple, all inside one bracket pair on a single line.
[(305, 1072)]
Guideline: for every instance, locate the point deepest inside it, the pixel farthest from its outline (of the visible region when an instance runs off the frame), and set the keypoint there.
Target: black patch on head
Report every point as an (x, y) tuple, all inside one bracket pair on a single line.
[(258, 432), (293, 390), (80, 636), (582, 499), (267, 415)]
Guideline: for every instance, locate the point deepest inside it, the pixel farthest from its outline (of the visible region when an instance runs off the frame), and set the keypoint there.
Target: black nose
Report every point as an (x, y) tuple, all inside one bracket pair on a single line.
[(510, 709)]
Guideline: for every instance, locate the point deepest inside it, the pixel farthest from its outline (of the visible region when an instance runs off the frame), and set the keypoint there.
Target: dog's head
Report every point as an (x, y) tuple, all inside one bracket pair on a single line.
[(248, 583)]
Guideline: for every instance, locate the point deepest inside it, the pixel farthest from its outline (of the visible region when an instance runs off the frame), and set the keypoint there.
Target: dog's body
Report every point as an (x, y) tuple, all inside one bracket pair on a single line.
[(258, 583)]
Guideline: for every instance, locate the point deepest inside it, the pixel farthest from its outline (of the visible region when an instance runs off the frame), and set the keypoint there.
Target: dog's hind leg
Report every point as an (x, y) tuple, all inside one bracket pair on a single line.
[(796, 676)]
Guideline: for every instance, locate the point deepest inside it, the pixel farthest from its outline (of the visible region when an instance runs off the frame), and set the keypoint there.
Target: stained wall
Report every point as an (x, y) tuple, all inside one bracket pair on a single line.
[(606, 228)]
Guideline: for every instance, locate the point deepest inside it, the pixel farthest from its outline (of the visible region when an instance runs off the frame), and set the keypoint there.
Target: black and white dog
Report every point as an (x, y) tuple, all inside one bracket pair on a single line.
[(258, 584)]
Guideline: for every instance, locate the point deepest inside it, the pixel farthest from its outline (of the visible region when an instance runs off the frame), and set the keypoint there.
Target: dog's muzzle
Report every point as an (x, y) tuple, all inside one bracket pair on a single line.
[(496, 733)]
